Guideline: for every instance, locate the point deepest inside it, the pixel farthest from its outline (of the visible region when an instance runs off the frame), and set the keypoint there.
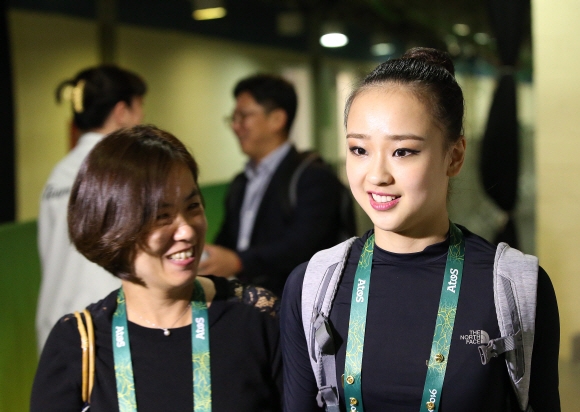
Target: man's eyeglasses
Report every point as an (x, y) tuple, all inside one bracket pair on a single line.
[(238, 117)]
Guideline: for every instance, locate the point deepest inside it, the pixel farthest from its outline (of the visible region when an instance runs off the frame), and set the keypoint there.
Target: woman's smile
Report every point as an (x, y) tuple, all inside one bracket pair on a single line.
[(182, 258), (383, 202)]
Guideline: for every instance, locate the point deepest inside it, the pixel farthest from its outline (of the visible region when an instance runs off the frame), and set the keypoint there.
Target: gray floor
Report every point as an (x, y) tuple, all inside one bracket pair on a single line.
[(570, 386)]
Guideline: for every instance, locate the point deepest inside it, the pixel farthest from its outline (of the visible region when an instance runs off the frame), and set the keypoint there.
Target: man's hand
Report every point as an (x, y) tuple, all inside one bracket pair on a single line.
[(220, 262)]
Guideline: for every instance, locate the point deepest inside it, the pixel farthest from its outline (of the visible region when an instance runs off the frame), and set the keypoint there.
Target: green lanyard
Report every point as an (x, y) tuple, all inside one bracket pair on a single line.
[(199, 349), (437, 363)]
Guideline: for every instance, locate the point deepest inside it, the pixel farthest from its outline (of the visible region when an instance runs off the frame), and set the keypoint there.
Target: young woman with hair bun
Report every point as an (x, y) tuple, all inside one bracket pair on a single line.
[(413, 347)]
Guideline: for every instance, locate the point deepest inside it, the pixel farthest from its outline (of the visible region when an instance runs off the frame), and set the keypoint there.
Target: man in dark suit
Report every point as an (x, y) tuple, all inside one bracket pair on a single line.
[(265, 234)]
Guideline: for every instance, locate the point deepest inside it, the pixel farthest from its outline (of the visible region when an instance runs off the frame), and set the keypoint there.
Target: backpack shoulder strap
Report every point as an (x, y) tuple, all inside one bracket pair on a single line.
[(318, 291), (307, 158), (515, 282), (347, 220)]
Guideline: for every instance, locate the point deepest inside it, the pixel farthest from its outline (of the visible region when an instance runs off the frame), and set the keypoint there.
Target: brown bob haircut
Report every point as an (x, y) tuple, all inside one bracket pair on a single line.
[(117, 192)]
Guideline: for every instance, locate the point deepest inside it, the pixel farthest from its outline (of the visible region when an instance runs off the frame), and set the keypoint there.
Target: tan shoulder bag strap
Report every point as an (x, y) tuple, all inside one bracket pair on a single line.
[(88, 353)]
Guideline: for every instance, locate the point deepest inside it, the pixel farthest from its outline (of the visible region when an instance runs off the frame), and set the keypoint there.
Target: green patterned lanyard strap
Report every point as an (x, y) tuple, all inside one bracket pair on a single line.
[(445, 321), (437, 363), (199, 349), (356, 327)]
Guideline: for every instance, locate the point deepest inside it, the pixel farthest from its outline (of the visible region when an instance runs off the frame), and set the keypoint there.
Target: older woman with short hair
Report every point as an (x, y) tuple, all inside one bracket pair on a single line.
[(137, 211)]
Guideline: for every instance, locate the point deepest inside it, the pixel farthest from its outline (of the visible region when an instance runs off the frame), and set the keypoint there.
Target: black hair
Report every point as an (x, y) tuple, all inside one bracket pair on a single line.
[(96, 91), (271, 92), (430, 74)]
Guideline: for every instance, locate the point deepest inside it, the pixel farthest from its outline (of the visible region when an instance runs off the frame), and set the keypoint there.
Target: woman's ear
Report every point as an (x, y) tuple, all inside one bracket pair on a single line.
[(456, 157)]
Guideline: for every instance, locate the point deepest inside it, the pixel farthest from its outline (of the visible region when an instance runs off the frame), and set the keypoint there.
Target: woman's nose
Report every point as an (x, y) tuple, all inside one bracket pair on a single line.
[(379, 171), (184, 231)]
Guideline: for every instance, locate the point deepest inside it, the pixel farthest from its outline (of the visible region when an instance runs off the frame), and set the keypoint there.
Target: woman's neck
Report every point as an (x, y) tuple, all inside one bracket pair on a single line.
[(150, 307), (411, 241)]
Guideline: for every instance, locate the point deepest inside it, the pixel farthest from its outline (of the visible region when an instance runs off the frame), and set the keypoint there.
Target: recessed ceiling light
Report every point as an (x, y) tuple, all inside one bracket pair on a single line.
[(208, 9), (481, 38), (333, 40), (333, 36), (382, 49), (461, 29), (209, 14), (454, 49)]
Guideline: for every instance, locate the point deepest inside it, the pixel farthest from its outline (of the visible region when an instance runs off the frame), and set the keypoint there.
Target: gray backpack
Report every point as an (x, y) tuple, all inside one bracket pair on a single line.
[(515, 280)]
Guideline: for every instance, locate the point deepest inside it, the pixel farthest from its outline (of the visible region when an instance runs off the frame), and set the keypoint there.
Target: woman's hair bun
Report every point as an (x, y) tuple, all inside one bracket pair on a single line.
[(431, 56)]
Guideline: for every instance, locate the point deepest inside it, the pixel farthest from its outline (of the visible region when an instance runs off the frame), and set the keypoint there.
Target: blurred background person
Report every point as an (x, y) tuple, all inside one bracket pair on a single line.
[(264, 234), (103, 99), (147, 227)]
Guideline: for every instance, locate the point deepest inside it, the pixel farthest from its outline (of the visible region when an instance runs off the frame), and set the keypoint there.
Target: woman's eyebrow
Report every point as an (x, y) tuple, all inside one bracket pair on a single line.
[(395, 137), (356, 136), (195, 192), (401, 137)]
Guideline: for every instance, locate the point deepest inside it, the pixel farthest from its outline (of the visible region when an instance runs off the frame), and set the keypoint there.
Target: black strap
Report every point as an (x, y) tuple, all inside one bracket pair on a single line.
[(307, 159)]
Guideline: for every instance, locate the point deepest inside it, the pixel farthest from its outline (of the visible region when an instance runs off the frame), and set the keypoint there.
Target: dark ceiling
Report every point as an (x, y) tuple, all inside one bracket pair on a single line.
[(405, 22)]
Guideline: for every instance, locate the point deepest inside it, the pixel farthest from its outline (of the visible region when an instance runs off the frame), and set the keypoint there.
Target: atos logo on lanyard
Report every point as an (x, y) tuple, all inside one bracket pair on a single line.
[(453, 280), (360, 290), (200, 328), (120, 336)]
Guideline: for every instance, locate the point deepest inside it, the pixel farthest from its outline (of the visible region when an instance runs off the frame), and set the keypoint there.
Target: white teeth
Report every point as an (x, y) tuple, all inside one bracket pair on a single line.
[(382, 199), (182, 255)]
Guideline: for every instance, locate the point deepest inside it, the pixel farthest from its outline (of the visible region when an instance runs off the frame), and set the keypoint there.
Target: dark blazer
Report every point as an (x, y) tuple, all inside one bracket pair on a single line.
[(284, 237)]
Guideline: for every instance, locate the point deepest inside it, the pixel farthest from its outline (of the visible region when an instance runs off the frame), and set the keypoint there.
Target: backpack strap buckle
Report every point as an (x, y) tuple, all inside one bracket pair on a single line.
[(496, 347), (327, 396)]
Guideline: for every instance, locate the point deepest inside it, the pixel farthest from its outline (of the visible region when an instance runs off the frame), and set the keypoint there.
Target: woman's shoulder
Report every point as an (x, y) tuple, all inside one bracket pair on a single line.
[(477, 249), (483, 250), (294, 283), (102, 310), (66, 329), (476, 240), (98, 310)]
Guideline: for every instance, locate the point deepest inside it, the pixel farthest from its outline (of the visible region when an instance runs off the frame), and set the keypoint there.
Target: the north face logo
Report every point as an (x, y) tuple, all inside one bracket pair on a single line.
[(475, 337)]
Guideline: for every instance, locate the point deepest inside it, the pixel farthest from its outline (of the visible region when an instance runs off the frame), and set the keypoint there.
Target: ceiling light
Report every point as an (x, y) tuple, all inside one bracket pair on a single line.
[(453, 46), (382, 49), (208, 9), (461, 29), (481, 38), (333, 36), (381, 45), (454, 49)]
